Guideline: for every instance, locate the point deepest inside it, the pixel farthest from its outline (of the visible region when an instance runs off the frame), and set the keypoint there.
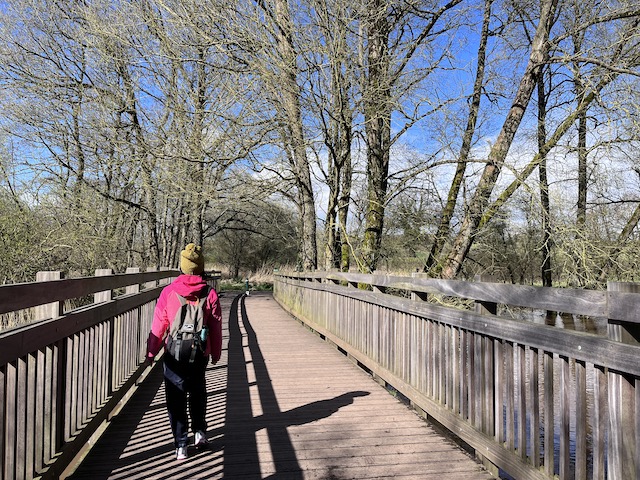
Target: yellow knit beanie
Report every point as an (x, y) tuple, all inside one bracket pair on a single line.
[(191, 260)]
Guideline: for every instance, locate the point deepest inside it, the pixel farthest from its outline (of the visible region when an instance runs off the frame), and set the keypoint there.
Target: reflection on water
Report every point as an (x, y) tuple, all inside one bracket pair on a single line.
[(580, 323), (568, 321)]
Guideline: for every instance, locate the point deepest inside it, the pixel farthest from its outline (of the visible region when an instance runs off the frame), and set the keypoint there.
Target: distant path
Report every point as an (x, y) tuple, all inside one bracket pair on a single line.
[(283, 404)]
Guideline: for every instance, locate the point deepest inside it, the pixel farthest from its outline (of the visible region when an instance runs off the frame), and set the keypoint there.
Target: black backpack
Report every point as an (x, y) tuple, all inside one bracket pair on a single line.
[(187, 339)]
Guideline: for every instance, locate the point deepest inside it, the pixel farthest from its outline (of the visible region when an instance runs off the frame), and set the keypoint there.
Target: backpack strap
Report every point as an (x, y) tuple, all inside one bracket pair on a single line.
[(178, 344)]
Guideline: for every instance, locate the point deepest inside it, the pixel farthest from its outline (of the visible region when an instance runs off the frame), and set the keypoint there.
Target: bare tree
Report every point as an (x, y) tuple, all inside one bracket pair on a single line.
[(615, 59), (443, 230), (388, 57), (498, 153)]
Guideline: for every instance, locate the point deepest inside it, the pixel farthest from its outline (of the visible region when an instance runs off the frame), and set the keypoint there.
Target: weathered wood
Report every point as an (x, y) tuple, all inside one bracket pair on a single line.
[(31, 395), (637, 426), (565, 417), (488, 387), (442, 415), (22, 340), (623, 306), (50, 310), (10, 412), (521, 342), (534, 411), (278, 412), (21, 420), (549, 417), (599, 425), (25, 295), (622, 411), (4, 403), (573, 344), (40, 426), (581, 421), (522, 408), (498, 388), (54, 372), (580, 302), (510, 394)]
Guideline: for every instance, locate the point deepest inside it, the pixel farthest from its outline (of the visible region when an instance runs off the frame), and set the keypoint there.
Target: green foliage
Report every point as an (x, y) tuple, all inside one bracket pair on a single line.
[(23, 242)]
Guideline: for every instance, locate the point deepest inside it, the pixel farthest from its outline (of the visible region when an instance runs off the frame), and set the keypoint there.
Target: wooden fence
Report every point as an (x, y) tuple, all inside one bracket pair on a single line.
[(533, 401), (65, 375)]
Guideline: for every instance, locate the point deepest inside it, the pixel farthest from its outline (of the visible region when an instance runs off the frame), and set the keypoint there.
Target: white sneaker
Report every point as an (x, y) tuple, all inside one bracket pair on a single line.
[(200, 439), (181, 453)]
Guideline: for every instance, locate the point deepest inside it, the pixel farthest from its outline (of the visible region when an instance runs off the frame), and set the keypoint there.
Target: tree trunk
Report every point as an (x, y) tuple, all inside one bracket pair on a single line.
[(297, 154), (196, 199), (544, 186), (447, 213), (330, 249), (378, 131), (338, 141), (581, 213), (498, 153)]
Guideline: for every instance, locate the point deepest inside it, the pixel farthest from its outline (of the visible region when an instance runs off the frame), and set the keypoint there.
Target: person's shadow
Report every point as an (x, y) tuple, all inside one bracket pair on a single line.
[(241, 455), (137, 430)]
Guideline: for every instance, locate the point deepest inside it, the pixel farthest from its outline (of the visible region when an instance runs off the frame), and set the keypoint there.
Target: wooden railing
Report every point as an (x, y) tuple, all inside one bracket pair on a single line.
[(534, 401), (63, 376)]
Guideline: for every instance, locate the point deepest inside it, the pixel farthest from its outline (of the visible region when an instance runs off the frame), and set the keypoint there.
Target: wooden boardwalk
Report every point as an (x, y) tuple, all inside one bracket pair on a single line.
[(283, 404)]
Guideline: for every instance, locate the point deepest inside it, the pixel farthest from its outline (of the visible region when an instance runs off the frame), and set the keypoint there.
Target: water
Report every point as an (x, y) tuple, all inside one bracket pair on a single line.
[(591, 325), (568, 321)]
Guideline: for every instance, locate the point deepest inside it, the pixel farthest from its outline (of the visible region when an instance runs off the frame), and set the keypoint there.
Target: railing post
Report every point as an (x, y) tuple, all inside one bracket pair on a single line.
[(377, 288), (135, 288), (55, 415), (483, 365), (151, 283), (138, 355), (165, 281), (106, 296), (623, 392), (486, 307), (424, 296), (49, 310)]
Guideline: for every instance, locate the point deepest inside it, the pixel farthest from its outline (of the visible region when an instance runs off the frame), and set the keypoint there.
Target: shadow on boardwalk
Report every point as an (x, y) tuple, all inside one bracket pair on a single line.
[(242, 458), (138, 443)]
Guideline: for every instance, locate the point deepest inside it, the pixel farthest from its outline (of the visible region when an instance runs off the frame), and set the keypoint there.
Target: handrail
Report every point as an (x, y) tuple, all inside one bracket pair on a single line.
[(25, 295), (62, 377), (488, 378)]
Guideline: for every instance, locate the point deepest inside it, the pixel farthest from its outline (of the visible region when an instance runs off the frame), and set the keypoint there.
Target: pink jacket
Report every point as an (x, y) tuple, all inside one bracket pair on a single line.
[(190, 287)]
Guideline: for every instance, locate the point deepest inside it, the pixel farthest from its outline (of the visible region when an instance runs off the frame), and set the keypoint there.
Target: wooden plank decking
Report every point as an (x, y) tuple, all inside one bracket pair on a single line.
[(283, 404)]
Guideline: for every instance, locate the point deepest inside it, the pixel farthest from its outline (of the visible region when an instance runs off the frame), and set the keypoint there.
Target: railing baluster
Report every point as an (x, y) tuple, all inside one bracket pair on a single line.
[(565, 416), (622, 418), (10, 415), (49, 392), (522, 401), (534, 409), (599, 425), (510, 396), (30, 408), (549, 415), (40, 423), (581, 420), (465, 365), (21, 420), (4, 417), (498, 389)]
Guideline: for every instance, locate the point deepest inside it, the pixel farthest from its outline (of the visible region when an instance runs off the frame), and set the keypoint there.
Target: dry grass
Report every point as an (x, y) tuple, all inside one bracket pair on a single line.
[(16, 319), (27, 316)]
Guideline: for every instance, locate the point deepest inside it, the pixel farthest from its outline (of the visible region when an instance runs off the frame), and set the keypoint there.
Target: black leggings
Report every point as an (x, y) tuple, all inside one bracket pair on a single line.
[(185, 386)]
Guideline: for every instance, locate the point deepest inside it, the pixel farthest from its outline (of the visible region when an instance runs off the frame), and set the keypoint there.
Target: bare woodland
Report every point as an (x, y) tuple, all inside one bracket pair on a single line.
[(452, 138)]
